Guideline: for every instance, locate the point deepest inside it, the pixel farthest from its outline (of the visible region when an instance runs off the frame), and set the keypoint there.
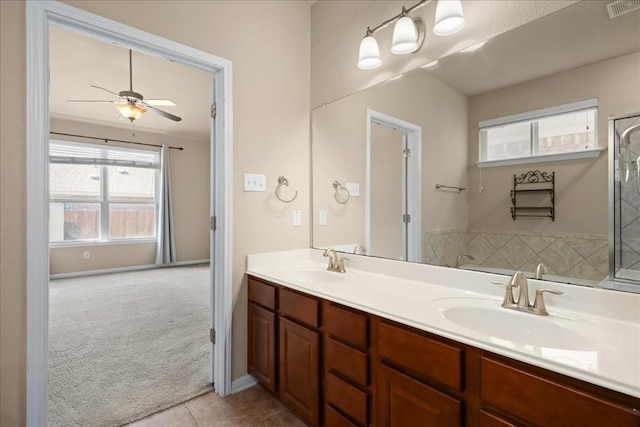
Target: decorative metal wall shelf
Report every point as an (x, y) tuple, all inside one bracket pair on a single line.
[(528, 184)]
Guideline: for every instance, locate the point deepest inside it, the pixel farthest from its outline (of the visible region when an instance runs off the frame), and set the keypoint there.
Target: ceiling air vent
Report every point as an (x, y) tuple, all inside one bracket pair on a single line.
[(620, 7)]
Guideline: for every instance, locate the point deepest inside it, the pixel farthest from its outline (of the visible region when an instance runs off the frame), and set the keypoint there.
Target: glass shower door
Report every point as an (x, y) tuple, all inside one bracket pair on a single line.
[(624, 133)]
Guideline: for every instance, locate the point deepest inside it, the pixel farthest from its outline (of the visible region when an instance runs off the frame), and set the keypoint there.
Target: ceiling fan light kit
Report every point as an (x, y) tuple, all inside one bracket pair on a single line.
[(409, 33), (131, 105)]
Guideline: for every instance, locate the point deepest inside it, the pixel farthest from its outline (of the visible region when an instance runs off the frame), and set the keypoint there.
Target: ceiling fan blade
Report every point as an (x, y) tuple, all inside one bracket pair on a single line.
[(160, 102), (89, 100), (106, 90), (165, 114)]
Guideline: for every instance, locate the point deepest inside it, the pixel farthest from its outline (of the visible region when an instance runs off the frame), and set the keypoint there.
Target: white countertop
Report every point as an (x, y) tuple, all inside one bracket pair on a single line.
[(607, 323)]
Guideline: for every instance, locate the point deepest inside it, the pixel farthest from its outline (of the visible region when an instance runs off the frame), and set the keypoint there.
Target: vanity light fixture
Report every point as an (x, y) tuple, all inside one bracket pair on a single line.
[(449, 17), (409, 33)]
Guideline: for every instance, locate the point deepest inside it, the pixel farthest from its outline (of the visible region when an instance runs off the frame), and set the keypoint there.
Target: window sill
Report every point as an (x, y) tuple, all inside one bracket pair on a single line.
[(541, 159), (80, 243)]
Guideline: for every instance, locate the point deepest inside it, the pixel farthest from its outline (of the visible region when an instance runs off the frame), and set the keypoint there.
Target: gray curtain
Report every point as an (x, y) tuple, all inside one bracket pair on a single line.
[(166, 235)]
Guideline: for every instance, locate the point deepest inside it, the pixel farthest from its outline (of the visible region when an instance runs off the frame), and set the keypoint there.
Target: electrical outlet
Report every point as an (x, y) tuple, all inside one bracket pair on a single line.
[(86, 255), (297, 218), (255, 182)]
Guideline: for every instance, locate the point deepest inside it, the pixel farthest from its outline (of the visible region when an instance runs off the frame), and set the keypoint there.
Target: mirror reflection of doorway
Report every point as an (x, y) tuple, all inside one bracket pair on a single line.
[(393, 227)]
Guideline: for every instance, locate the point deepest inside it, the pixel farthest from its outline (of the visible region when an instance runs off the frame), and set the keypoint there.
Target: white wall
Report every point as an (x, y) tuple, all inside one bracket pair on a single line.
[(581, 185)]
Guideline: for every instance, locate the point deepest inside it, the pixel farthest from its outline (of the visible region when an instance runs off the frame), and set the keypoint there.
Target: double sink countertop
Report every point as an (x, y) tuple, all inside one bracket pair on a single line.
[(590, 334)]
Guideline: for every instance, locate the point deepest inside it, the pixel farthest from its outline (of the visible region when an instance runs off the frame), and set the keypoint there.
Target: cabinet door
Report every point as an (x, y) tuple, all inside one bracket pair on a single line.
[(262, 346), (299, 370), (405, 402)]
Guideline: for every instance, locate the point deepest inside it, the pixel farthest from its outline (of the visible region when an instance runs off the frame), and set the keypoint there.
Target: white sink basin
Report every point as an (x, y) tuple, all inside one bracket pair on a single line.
[(489, 318)]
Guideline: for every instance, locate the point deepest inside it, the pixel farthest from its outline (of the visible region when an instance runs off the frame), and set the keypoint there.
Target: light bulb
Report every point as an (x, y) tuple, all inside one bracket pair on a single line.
[(130, 110), (449, 17), (369, 56)]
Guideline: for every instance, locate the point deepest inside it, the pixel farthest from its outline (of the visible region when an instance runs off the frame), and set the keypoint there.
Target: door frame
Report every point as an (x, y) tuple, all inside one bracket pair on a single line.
[(39, 16), (413, 134)]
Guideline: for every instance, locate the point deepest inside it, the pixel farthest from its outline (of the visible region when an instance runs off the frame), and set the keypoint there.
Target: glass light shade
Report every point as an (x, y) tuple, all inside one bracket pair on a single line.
[(130, 110), (449, 18), (369, 57), (405, 36)]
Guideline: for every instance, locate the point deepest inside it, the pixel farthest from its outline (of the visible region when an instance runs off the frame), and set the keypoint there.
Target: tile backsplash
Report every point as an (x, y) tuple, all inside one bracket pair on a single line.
[(583, 256)]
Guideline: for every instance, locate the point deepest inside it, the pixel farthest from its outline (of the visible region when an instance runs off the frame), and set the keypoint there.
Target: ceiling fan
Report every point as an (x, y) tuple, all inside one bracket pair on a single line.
[(132, 105)]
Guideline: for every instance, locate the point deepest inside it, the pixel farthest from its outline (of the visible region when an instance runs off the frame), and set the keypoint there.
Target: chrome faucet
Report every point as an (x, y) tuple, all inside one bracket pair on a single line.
[(361, 248), (335, 263), (519, 280), (540, 270), (463, 256)]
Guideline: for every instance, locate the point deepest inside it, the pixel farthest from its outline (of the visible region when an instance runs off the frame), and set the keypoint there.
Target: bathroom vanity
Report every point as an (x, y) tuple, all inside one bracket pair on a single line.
[(353, 349)]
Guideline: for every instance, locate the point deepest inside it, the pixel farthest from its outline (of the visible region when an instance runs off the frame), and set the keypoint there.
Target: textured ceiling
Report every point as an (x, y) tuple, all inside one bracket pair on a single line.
[(76, 62)]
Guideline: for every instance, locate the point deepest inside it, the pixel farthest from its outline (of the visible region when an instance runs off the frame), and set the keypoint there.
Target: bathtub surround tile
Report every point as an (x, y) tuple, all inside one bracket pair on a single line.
[(481, 249), (538, 242), (498, 261), (585, 246), (516, 252), (498, 240), (560, 256), (532, 264), (628, 213), (584, 270), (600, 260)]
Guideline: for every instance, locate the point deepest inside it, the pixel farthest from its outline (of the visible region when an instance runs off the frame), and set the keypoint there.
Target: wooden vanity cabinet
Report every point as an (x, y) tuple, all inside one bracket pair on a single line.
[(261, 328), (299, 355), (338, 367), (347, 391)]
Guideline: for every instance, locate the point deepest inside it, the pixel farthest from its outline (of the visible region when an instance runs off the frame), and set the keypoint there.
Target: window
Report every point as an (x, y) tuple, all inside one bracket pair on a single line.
[(99, 193), (556, 133)]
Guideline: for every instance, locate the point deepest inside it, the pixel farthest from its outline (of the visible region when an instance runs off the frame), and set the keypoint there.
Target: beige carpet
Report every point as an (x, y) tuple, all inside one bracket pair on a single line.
[(125, 345)]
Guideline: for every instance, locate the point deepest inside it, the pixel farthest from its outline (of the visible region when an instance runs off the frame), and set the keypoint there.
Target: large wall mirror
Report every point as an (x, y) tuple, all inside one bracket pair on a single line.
[(396, 168)]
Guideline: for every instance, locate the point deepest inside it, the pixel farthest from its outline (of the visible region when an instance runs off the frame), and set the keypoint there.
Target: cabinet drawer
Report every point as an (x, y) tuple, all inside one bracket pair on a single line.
[(333, 418), (543, 402), (346, 325), (403, 401), (420, 354), (262, 294), (347, 361), (489, 420), (347, 398), (299, 307)]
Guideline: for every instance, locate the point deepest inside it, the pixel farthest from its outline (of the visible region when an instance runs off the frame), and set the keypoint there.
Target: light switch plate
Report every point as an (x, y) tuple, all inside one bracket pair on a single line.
[(353, 188), (297, 218), (322, 218), (255, 182)]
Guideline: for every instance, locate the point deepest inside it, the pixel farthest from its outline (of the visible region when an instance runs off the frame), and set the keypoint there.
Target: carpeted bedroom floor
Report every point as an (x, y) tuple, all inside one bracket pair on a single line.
[(126, 345)]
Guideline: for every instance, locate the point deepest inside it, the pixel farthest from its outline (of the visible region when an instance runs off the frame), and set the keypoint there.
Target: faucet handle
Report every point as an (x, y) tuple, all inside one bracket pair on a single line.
[(508, 292), (538, 304)]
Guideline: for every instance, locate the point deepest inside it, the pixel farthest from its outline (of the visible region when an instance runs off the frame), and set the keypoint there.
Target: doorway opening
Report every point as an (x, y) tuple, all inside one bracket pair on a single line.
[(393, 188), (40, 16)]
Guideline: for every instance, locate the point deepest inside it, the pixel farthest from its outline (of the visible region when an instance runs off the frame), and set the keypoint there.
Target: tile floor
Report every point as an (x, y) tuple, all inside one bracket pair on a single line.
[(249, 408)]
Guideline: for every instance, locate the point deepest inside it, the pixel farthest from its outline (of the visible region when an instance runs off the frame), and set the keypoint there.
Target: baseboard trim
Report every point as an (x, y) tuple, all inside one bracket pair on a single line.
[(242, 383), (125, 269)]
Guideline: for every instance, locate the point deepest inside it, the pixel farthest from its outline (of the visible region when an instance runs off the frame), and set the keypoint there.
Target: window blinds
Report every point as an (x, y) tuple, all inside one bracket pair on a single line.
[(94, 154)]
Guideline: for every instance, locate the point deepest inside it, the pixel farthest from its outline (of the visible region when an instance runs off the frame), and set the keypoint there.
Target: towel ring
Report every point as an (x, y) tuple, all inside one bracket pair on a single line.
[(336, 184), (283, 181)]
